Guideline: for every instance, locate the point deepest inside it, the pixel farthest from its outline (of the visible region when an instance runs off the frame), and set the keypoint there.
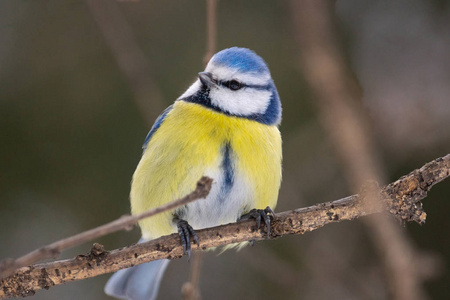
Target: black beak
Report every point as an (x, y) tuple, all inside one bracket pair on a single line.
[(206, 79)]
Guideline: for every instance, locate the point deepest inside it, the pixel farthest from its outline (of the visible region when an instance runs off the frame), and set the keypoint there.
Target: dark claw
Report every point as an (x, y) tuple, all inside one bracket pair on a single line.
[(269, 210), (185, 231), (193, 234), (259, 214), (183, 239), (266, 220)]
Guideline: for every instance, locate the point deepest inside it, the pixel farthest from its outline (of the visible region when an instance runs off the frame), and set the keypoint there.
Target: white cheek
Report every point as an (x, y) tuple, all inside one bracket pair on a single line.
[(244, 102), (192, 89)]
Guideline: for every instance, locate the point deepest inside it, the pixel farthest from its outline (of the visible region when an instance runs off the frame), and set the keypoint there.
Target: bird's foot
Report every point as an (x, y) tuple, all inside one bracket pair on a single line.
[(258, 215), (185, 231)]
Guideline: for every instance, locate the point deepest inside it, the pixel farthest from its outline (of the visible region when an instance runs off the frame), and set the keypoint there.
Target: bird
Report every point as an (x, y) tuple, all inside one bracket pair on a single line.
[(224, 126)]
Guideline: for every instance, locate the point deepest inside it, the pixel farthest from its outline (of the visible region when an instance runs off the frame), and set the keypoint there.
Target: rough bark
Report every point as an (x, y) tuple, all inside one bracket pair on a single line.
[(401, 198)]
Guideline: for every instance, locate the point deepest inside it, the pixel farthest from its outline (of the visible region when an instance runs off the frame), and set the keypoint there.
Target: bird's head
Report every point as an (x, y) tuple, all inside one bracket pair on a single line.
[(237, 82)]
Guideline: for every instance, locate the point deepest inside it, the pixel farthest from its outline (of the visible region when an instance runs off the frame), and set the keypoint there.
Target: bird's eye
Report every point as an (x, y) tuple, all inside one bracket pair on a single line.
[(234, 85)]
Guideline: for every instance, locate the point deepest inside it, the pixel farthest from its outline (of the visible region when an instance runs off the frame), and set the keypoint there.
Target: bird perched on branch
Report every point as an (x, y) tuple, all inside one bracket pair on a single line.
[(225, 126)]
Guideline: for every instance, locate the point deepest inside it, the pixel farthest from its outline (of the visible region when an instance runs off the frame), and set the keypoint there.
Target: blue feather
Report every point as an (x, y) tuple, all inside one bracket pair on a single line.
[(155, 126), (242, 59), (228, 170), (272, 115)]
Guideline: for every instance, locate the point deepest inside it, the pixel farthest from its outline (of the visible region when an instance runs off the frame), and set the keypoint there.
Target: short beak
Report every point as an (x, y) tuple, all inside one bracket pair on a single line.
[(206, 79)]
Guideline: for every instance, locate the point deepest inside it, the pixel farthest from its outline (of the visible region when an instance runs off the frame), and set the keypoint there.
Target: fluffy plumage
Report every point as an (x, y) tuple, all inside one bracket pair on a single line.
[(195, 144), (225, 127)]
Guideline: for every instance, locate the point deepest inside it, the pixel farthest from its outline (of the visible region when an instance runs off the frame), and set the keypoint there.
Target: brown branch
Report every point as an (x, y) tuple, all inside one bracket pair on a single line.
[(401, 198), (130, 58), (125, 222), (211, 24), (190, 290), (347, 123)]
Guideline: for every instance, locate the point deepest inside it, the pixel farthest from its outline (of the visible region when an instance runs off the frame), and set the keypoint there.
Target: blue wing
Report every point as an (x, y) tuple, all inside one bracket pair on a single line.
[(155, 126)]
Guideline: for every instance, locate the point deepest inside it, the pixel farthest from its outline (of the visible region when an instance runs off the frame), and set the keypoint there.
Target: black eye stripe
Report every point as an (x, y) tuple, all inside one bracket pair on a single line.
[(233, 85), (243, 85)]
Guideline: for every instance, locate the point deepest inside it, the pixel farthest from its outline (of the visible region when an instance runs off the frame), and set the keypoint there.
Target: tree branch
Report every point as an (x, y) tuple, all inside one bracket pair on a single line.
[(401, 198), (129, 56), (348, 125), (125, 222), (211, 25)]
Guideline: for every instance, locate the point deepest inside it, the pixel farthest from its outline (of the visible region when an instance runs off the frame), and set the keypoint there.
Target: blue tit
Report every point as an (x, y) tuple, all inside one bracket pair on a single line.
[(225, 126)]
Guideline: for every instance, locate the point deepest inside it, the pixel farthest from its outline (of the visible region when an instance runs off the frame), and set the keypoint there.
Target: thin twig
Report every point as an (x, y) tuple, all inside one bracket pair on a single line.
[(190, 290), (402, 198), (125, 222), (129, 56), (211, 37), (346, 121)]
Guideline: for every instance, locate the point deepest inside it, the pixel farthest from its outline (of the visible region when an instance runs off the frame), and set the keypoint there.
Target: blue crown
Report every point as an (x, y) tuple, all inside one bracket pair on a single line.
[(242, 59)]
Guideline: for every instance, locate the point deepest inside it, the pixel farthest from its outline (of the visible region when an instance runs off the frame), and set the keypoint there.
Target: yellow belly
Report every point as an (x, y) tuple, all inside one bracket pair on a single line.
[(189, 145)]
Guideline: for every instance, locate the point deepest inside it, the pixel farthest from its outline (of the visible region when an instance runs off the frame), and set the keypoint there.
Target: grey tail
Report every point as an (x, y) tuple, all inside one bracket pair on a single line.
[(140, 282)]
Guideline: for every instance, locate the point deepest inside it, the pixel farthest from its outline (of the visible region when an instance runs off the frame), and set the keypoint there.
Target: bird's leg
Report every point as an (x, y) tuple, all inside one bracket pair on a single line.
[(185, 231), (258, 215)]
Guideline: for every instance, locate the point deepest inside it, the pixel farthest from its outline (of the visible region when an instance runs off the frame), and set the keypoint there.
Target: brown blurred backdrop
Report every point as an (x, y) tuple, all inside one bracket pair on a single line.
[(71, 132)]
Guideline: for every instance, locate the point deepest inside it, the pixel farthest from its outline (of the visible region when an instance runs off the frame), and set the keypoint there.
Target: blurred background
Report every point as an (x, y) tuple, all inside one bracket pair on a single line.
[(81, 82)]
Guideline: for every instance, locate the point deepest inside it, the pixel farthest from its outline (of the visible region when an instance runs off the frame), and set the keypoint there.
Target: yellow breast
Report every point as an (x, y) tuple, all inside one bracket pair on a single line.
[(188, 145)]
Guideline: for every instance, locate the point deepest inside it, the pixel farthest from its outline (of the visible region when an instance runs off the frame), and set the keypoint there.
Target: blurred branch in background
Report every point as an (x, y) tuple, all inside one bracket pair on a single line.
[(347, 122), (211, 35), (129, 56), (190, 289), (401, 198)]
